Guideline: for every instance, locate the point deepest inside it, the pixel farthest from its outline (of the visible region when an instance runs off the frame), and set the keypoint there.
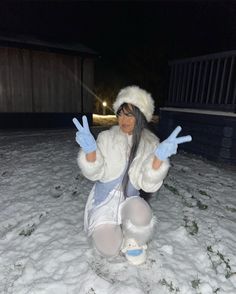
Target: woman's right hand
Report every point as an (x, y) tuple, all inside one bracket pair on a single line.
[(84, 137)]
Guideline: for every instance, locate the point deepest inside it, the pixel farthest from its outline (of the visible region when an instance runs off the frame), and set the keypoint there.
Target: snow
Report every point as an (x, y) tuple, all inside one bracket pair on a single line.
[(43, 248), (202, 111)]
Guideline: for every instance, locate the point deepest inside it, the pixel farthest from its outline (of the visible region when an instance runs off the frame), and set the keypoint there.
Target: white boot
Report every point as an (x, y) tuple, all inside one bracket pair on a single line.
[(134, 253)]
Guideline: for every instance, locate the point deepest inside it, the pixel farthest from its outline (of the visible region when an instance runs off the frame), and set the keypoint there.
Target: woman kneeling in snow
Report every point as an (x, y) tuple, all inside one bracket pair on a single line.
[(124, 159)]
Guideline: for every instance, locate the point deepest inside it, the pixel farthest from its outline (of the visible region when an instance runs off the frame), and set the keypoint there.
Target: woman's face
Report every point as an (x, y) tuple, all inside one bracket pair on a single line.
[(126, 120)]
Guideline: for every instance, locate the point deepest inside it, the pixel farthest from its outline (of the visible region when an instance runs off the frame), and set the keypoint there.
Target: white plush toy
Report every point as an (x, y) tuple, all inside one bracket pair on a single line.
[(134, 253)]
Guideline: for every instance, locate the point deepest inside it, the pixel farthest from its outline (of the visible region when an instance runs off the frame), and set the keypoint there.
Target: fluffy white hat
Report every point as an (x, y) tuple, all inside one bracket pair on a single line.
[(138, 97)]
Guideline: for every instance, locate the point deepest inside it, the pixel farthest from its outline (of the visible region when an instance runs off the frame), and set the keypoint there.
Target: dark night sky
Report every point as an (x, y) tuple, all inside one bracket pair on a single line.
[(128, 34), (181, 27)]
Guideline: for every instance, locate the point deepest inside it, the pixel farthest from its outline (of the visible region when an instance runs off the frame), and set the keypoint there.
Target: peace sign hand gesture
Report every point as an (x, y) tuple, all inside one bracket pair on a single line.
[(170, 145), (84, 137)]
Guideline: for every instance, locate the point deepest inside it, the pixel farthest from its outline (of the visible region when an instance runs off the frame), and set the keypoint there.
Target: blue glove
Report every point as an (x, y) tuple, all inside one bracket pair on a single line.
[(84, 137), (170, 145)]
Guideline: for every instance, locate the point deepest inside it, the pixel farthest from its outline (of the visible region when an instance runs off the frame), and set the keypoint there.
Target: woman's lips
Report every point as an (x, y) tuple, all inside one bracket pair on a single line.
[(125, 126)]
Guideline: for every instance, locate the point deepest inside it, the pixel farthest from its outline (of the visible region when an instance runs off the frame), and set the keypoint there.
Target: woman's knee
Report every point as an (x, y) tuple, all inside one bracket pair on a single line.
[(138, 211), (107, 239)]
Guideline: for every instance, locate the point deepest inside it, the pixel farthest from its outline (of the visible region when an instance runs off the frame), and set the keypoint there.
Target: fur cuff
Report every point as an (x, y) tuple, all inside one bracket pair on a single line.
[(152, 179), (91, 170), (140, 229), (140, 233)]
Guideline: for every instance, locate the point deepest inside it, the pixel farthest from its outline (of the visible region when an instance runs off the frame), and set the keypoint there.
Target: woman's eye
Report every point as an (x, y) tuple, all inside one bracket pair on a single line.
[(128, 114)]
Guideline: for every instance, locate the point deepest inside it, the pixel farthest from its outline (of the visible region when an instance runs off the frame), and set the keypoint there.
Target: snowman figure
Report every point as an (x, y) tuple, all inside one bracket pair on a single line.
[(134, 253)]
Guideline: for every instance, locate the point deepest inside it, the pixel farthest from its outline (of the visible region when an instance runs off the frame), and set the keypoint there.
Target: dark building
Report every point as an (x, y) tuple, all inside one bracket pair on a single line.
[(44, 84)]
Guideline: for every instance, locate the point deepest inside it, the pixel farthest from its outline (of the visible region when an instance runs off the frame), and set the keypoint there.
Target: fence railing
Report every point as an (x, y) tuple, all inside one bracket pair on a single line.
[(207, 82)]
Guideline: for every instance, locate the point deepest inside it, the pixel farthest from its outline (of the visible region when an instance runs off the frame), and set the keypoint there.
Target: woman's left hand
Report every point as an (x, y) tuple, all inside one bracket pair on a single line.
[(170, 145)]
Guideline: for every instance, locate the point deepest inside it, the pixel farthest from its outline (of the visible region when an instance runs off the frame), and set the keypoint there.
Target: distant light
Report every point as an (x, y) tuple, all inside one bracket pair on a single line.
[(104, 103)]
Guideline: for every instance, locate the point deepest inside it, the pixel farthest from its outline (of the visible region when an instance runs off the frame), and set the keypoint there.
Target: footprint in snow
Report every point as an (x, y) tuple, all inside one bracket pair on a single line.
[(56, 191)]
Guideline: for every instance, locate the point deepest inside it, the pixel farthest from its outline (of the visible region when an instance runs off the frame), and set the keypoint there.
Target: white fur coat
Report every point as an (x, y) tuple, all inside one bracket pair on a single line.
[(112, 147)]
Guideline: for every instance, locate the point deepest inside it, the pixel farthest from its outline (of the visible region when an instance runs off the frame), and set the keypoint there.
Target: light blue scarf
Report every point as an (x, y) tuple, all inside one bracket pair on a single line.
[(102, 190)]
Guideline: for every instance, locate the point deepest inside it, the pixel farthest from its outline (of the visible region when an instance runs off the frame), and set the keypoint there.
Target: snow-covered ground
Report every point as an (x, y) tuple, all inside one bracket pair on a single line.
[(43, 248)]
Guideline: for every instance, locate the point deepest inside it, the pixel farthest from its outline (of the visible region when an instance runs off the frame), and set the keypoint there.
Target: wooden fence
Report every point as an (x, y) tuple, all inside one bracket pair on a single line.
[(205, 82)]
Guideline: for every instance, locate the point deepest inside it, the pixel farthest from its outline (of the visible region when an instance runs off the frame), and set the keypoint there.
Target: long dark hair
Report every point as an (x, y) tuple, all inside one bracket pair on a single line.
[(140, 124)]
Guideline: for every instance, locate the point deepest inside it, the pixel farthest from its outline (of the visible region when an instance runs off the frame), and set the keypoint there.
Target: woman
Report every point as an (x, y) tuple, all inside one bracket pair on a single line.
[(124, 159)]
